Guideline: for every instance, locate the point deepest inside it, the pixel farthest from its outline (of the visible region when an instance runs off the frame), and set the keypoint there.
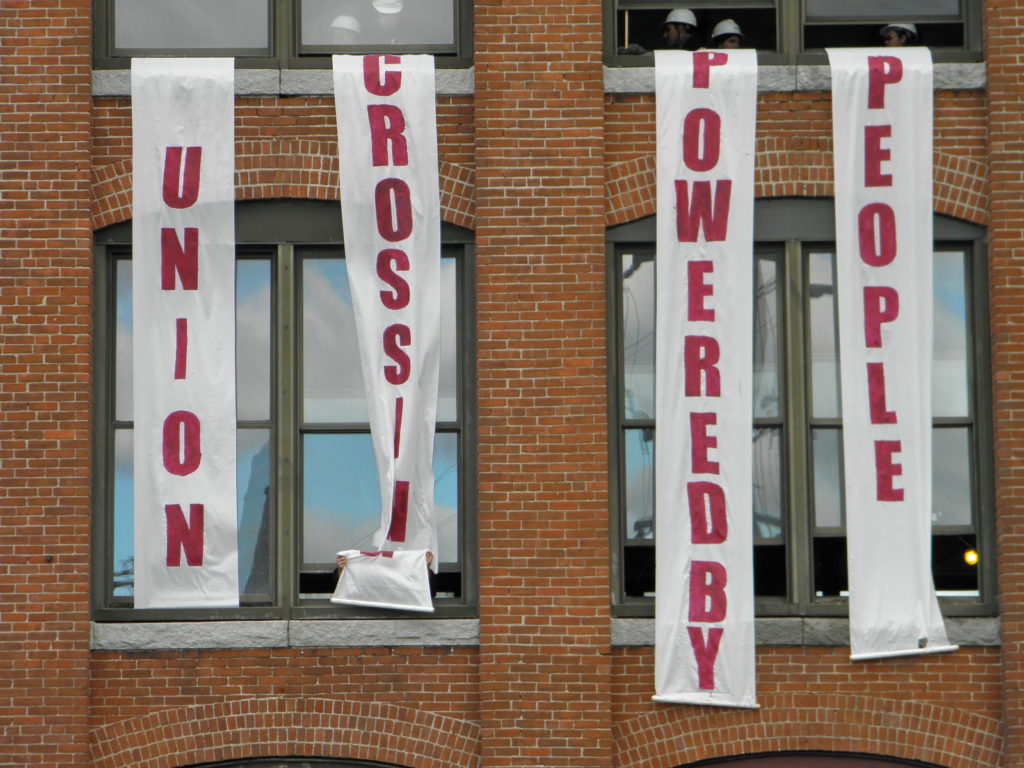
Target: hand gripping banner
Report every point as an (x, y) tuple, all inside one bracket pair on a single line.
[(882, 123), (704, 604), (390, 204), (183, 295)]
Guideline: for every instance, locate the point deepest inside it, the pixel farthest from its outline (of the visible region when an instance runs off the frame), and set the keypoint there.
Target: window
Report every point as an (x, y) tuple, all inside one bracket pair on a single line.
[(307, 476), (281, 33), (791, 31), (798, 507)]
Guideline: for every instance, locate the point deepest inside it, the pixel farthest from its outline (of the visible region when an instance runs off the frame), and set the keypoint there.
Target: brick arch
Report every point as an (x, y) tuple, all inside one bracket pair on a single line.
[(267, 170), (961, 188), (293, 727), (674, 736)]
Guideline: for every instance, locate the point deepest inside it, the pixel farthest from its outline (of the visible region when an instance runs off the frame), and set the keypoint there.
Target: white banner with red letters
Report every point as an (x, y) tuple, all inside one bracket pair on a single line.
[(704, 604), (882, 123), (390, 204), (183, 299), (395, 580)]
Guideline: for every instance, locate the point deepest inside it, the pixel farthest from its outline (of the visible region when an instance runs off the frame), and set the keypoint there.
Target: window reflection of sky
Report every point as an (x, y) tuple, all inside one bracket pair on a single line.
[(191, 24), (418, 22)]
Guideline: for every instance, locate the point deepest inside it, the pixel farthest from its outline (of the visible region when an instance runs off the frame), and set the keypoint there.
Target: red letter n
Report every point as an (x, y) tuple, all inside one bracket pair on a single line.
[(692, 214), (174, 259), (184, 536)]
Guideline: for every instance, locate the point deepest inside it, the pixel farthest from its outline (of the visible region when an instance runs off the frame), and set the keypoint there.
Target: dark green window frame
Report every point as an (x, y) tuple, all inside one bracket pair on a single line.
[(793, 565), (285, 234), (284, 49), (782, 32)]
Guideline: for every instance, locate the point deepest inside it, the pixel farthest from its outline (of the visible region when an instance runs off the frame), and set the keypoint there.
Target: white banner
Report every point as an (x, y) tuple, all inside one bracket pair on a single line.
[(704, 604), (396, 580), (183, 294), (390, 204), (882, 123)]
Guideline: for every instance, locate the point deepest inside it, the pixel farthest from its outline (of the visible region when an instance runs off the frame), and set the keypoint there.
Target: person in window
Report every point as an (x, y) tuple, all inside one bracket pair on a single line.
[(727, 34), (346, 30), (898, 34), (679, 30)]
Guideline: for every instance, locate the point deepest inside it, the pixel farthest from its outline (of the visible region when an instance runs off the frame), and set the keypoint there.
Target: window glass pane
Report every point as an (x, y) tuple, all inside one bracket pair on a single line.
[(123, 341), (767, 496), (191, 24), (255, 536), (907, 10), (252, 338), (124, 521), (378, 22), (766, 339), (639, 483), (828, 478), (341, 495), (638, 335), (822, 331), (949, 368), (447, 391), (951, 476)]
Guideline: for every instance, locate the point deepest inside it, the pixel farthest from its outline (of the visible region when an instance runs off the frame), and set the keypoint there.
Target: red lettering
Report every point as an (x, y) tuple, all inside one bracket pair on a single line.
[(184, 536), (708, 602), (702, 139), (708, 521), (393, 204), (372, 72), (876, 395), (399, 412), (702, 63), (705, 654), (390, 261), (886, 470), (875, 313), (701, 211), (876, 224), (395, 337), (701, 442), (701, 354), (182, 192), (399, 512), (698, 289), (178, 260), (181, 443), (387, 123), (882, 71), (875, 155), (180, 347)]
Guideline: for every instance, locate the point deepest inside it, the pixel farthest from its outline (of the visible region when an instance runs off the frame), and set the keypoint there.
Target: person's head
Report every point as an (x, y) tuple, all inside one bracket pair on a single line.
[(898, 33), (726, 34), (679, 28), (346, 30)]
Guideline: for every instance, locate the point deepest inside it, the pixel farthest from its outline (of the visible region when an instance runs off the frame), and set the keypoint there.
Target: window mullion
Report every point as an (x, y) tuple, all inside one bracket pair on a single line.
[(285, 410)]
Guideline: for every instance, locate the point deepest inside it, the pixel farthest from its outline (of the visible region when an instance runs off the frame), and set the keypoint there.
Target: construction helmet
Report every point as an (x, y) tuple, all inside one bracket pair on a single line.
[(726, 28), (349, 23), (681, 16), (900, 26)]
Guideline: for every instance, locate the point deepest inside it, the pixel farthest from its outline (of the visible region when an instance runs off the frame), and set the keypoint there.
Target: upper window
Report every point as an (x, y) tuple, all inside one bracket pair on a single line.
[(307, 475), (798, 512), (280, 33), (792, 31)]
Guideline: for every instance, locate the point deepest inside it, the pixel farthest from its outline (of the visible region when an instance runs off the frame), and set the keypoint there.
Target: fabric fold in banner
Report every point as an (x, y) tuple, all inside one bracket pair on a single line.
[(395, 580), (183, 295), (390, 204), (882, 123), (704, 603)]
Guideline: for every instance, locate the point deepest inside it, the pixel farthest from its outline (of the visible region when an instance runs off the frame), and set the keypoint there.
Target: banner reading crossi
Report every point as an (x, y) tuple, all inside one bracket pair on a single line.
[(704, 604), (183, 296), (390, 203), (882, 123)]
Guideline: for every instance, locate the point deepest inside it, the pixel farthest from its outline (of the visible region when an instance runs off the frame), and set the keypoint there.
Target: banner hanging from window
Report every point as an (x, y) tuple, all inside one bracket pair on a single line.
[(390, 204), (704, 603), (882, 124), (183, 297), (396, 580)]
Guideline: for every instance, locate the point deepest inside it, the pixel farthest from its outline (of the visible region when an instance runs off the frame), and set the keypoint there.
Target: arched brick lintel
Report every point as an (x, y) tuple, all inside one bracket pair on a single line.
[(305, 170), (676, 735), (250, 728), (960, 188)]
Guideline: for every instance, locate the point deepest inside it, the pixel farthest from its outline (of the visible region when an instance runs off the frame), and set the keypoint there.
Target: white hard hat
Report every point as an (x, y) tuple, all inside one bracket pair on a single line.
[(681, 16), (351, 23), (726, 27), (900, 26), (387, 6)]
